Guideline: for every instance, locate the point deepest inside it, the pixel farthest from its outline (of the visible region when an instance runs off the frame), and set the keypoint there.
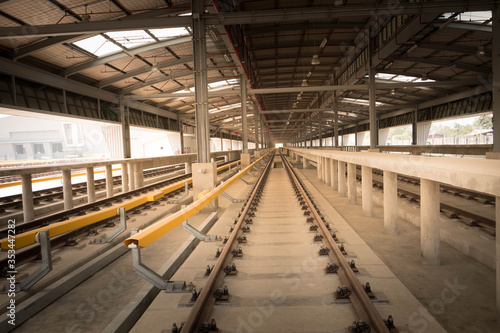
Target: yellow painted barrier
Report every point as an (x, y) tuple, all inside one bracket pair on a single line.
[(155, 231), (55, 229)]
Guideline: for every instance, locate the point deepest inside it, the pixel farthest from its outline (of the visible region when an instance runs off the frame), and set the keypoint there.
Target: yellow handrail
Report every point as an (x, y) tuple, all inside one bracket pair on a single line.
[(55, 229), (155, 231)]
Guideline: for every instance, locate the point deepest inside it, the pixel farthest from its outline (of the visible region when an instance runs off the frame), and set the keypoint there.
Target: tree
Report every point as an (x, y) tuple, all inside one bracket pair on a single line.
[(484, 122)]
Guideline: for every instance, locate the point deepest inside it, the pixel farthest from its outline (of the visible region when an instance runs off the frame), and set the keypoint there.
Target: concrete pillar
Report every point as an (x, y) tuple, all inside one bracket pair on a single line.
[(367, 190), (131, 177), (319, 166), (342, 179), (90, 185), (27, 197), (257, 154), (429, 221), (390, 202), (305, 163), (335, 174), (204, 178), (67, 189), (351, 182), (140, 174), (109, 181), (124, 177), (187, 168), (245, 160), (328, 167)]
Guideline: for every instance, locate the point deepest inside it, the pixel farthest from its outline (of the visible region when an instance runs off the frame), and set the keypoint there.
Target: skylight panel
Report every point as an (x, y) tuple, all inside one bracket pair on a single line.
[(131, 39), (169, 32), (475, 17), (97, 45), (223, 83), (359, 101)]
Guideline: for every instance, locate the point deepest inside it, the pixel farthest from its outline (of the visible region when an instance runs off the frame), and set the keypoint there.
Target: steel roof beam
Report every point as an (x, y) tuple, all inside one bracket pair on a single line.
[(102, 60), (231, 92), (301, 27), (444, 63), (246, 17), (449, 48), (142, 70)]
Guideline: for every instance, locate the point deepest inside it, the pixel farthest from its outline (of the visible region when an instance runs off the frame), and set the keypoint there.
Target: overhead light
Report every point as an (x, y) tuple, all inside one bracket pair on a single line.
[(323, 43), (315, 60), (412, 48), (186, 89), (304, 83), (299, 97), (235, 72), (86, 16), (155, 67), (213, 35), (480, 50), (393, 92), (309, 74), (226, 57)]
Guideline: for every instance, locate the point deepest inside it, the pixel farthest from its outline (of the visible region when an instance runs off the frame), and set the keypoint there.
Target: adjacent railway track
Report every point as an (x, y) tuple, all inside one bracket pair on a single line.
[(32, 252)]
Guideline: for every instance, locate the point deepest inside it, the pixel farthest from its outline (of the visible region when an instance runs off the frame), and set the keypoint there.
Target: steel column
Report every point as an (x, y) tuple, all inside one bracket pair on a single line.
[(244, 127), (181, 133), (496, 80), (124, 115), (373, 112), (200, 83), (342, 178)]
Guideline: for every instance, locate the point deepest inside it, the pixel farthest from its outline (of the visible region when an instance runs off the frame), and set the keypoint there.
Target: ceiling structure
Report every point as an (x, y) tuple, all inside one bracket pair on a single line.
[(306, 61)]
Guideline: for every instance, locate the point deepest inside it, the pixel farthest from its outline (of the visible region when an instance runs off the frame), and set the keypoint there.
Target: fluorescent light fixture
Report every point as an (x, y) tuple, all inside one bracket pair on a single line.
[(304, 83), (309, 74), (213, 35), (480, 50), (323, 43), (226, 57), (393, 92), (412, 48), (315, 60)]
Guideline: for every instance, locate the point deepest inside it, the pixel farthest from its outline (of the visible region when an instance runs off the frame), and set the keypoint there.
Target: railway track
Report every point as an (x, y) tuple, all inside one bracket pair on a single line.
[(30, 253), (258, 218), (12, 203), (451, 211)]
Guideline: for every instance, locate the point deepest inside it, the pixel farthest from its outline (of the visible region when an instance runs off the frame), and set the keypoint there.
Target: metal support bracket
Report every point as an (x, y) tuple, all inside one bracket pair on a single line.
[(244, 181), (117, 232), (196, 233), (230, 198), (43, 238), (251, 174), (182, 197)]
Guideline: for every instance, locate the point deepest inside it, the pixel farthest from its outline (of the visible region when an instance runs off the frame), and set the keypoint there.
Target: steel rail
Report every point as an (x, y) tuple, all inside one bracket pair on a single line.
[(359, 299), (202, 308)]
